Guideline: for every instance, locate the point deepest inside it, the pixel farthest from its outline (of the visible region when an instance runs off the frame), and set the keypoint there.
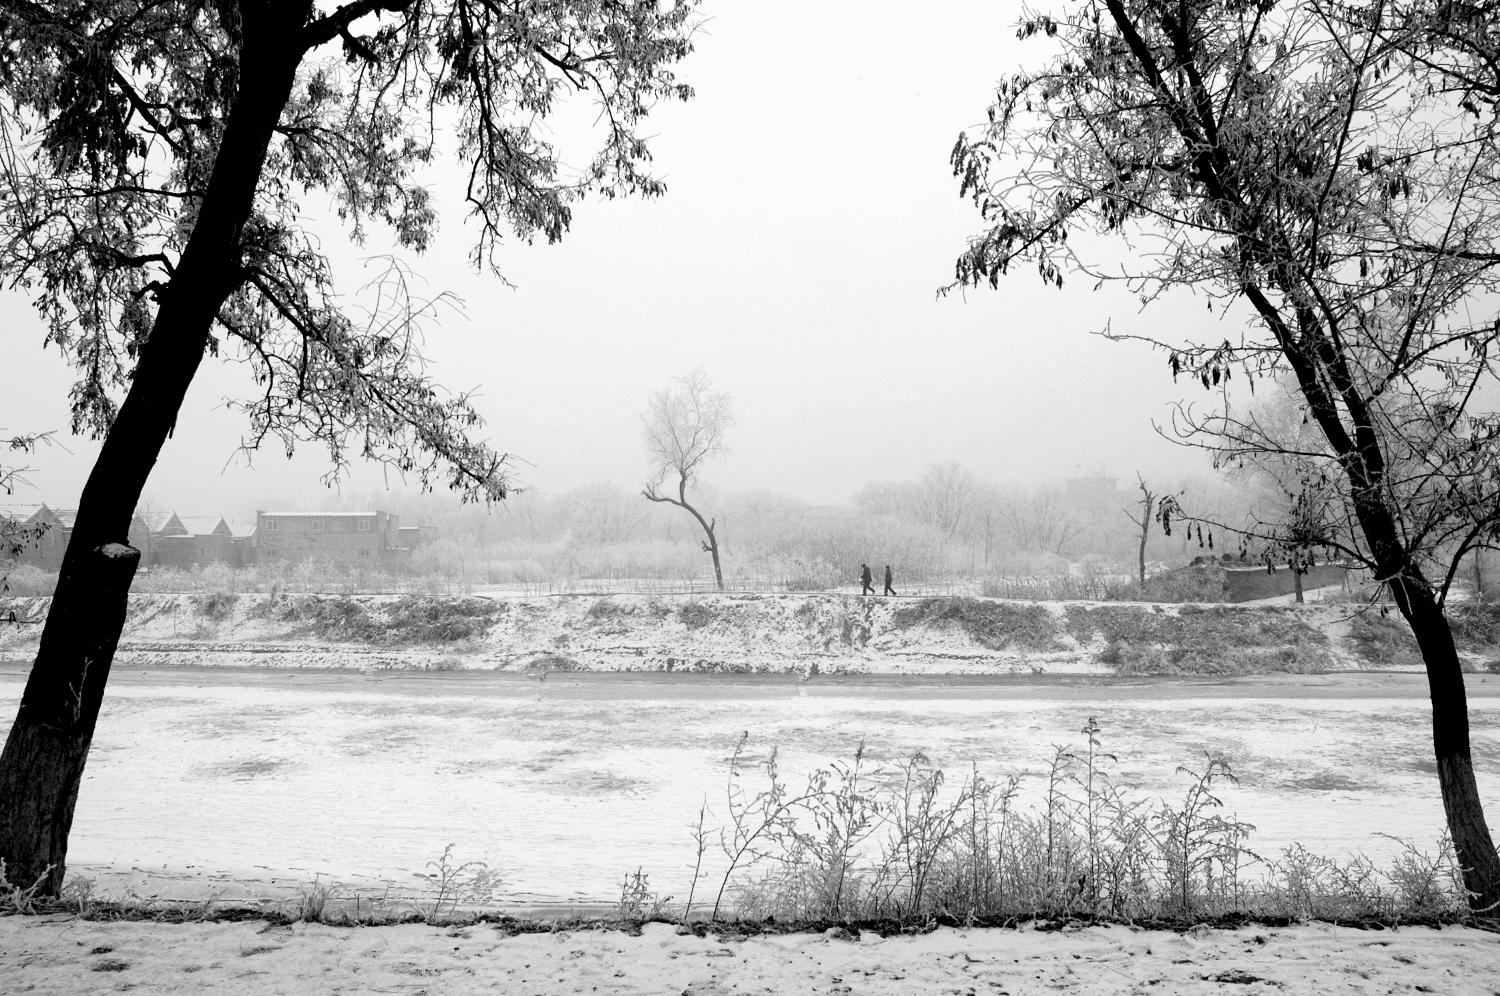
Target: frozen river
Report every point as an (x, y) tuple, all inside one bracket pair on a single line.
[(251, 784)]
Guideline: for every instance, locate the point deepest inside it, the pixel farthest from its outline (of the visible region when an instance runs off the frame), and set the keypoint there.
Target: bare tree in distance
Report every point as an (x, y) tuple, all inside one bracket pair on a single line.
[(1036, 519), (154, 156), (1312, 169), (1153, 507), (683, 426), (1273, 451), (945, 497), (605, 513), (948, 493)]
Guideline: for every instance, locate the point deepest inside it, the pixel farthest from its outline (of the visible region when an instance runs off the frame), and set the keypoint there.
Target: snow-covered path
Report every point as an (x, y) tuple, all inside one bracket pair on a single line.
[(60, 955)]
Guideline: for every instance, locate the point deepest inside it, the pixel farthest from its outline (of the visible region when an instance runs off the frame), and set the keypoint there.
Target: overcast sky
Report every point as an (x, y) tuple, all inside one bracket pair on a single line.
[(810, 217)]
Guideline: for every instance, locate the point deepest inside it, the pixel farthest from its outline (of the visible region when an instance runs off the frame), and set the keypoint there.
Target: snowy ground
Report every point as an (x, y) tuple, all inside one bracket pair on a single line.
[(66, 956), (251, 785)]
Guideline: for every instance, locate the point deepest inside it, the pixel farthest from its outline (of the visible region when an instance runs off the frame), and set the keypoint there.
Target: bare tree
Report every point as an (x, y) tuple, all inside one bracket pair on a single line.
[(1154, 507), (903, 498), (947, 495), (1036, 519), (682, 428), (1279, 460), (1312, 168), (603, 513), (1143, 523)]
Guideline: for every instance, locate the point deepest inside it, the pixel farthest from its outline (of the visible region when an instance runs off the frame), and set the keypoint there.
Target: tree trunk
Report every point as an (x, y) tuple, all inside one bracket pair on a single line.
[(712, 546), (713, 549), (49, 742), (1450, 743), (42, 765), (1141, 557), (1148, 502), (1297, 584)]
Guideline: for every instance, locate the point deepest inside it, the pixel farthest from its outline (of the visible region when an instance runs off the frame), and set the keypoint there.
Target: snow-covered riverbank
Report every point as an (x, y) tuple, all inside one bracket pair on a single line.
[(807, 634)]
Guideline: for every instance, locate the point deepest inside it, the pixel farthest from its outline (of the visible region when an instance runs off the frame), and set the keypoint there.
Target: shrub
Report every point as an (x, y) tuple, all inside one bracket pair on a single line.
[(423, 619), (215, 605), (334, 617), (1475, 625), (802, 574), (1200, 640), (453, 883), (27, 580), (1383, 639), (863, 842), (694, 615), (993, 625)]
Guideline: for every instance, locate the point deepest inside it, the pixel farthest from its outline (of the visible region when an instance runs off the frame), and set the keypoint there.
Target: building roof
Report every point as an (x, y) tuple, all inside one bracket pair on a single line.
[(241, 530), (204, 525), (64, 516), (159, 522), (19, 513)]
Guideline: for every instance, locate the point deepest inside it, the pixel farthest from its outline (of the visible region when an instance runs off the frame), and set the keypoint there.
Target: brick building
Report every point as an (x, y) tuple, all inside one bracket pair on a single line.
[(412, 537), (345, 539), (44, 532), (41, 533), (188, 540)]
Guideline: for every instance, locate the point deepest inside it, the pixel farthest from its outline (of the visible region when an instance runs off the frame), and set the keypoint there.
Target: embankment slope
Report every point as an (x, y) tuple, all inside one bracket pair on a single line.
[(815, 633)]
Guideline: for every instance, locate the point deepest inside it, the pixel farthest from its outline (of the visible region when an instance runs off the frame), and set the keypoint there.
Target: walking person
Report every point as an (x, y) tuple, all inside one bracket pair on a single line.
[(866, 587), (890, 589)]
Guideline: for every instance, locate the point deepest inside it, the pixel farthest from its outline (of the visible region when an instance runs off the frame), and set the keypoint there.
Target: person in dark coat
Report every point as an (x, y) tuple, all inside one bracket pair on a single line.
[(889, 587), (866, 588)]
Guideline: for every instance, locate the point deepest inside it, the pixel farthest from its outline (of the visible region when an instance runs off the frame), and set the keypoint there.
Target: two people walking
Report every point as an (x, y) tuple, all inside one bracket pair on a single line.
[(865, 579)]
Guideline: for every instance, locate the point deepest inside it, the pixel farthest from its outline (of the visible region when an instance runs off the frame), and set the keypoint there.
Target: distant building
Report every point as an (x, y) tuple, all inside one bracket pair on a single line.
[(415, 536), (1094, 488), (345, 539), (242, 543), (189, 541), (43, 531), (166, 540), (28, 527)]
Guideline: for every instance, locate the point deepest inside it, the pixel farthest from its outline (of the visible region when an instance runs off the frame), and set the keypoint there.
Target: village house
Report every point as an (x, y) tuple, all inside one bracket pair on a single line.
[(43, 533), (31, 534), (412, 537), (189, 540), (344, 539), (171, 540), (167, 540)]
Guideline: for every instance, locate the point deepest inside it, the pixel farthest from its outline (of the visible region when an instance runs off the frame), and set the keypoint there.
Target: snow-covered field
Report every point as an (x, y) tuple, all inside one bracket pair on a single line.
[(65, 956), (254, 784)]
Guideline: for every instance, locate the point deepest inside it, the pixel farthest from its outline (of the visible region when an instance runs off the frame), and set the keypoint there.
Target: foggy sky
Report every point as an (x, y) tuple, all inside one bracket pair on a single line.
[(810, 217)]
